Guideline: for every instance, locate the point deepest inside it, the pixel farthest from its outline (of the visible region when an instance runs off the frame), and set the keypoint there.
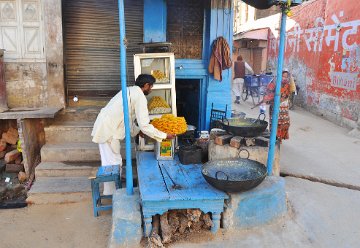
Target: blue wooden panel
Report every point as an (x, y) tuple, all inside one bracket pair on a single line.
[(192, 183), (156, 185), (151, 208), (190, 68), (108, 170), (219, 93), (151, 184), (154, 24)]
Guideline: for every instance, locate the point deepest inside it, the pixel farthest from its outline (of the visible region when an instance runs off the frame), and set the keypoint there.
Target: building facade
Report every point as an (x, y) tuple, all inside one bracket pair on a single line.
[(323, 54), (56, 50)]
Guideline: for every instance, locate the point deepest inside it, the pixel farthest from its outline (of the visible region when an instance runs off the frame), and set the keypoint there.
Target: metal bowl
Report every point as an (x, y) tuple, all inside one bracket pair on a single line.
[(234, 175)]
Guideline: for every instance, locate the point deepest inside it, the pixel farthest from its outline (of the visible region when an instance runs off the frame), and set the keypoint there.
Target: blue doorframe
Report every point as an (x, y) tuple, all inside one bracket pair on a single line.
[(202, 98)]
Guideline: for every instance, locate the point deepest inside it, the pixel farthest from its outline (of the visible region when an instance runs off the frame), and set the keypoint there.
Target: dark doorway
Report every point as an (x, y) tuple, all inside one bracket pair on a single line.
[(188, 100)]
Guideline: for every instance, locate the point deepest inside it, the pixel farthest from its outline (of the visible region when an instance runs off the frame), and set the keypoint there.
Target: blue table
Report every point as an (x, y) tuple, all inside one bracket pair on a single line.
[(158, 194)]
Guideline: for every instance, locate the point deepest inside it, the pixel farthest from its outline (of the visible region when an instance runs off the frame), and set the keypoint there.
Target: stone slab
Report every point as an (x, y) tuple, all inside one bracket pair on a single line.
[(256, 207), (126, 228), (29, 113), (57, 190), (73, 152), (70, 152), (66, 169), (75, 132)]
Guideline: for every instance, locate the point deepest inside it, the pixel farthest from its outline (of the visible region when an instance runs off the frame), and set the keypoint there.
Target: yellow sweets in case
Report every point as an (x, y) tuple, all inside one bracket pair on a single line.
[(157, 102), (157, 105), (168, 123)]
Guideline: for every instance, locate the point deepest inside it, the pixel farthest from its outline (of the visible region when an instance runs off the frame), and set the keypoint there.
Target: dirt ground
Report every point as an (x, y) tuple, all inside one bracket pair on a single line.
[(66, 225)]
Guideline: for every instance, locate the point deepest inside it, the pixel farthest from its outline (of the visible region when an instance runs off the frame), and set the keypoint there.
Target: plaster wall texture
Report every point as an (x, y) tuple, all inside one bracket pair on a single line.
[(322, 52), (39, 82), (126, 228)]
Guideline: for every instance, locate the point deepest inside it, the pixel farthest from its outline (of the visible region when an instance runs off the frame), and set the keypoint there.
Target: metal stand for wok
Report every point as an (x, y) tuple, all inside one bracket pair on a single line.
[(216, 115)]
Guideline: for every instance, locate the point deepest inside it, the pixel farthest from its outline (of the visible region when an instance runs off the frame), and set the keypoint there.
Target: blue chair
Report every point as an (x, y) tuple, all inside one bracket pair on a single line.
[(109, 173)]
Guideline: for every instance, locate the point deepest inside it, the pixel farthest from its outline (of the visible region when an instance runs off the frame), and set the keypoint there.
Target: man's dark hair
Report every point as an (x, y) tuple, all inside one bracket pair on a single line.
[(142, 79)]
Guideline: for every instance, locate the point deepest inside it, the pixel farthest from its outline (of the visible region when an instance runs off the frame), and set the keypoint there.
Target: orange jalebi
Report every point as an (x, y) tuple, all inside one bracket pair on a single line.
[(168, 123)]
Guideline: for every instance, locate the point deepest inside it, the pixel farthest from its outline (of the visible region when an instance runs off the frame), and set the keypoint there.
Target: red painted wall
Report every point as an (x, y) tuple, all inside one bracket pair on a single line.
[(323, 53)]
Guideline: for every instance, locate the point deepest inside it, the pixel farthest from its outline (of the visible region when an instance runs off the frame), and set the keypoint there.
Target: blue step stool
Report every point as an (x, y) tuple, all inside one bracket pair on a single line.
[(109, 173)]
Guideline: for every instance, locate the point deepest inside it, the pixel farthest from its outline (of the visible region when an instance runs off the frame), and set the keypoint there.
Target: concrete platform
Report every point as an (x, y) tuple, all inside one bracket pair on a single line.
[(59, 190), (256, 207), (126, 231)]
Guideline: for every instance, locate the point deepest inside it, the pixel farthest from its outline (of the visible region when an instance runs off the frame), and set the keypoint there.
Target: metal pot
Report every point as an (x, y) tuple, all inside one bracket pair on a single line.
[(234, 175), (245, 127), (189, 136)]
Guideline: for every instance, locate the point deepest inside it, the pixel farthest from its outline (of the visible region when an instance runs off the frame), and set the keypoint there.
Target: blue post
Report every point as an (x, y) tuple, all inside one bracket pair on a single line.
[(275, 114), (129, 176)]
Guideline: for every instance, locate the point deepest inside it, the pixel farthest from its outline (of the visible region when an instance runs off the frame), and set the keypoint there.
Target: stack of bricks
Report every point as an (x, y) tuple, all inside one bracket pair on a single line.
[(10, 156), (237, 141)]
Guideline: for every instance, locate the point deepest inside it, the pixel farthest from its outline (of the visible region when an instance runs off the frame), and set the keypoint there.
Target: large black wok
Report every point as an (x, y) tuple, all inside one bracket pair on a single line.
[(234, 175), (245, 127)]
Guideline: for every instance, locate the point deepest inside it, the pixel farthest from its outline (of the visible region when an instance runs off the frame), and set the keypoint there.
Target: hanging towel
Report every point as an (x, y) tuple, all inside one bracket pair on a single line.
[(220, 58)]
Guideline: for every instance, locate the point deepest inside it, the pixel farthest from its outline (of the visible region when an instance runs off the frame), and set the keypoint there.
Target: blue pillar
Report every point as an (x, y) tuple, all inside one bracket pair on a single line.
[(275, 114), (129, 176)]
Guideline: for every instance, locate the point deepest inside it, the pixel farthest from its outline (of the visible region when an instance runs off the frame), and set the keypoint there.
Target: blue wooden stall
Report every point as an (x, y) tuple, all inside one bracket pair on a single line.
[(167, 185), (217, 21), (157, 191)]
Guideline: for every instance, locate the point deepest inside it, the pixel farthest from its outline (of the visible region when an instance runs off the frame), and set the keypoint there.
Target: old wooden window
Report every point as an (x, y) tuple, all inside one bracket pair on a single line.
[(21, 28)]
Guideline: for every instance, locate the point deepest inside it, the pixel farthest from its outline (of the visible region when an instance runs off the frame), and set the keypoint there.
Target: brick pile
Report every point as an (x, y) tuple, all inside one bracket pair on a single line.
[(10, 157)]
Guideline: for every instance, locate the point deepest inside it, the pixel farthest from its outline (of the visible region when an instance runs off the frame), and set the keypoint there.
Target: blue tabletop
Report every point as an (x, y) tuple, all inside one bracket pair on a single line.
[(172, 181)]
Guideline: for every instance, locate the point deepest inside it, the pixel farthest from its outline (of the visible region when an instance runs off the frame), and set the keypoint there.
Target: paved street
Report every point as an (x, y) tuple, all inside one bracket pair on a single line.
[(320, 215), (317, 149)]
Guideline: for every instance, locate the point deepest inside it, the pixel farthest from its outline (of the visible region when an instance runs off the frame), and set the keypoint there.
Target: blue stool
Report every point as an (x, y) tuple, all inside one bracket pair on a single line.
[(109, 173)]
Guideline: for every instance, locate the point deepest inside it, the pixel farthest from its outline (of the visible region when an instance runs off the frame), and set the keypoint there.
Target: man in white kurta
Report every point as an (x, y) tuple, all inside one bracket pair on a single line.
[(109, 127)]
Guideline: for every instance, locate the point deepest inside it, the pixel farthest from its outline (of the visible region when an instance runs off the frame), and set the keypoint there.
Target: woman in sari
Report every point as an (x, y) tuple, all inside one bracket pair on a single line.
[(284, 118)]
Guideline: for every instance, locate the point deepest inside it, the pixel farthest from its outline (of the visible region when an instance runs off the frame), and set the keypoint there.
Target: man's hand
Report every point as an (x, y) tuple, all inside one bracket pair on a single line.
[(170, 136)]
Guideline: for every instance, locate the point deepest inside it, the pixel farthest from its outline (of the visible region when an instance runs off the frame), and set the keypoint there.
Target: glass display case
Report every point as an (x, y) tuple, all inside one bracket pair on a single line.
[(158, 67), (160, 102), (162, 99)]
